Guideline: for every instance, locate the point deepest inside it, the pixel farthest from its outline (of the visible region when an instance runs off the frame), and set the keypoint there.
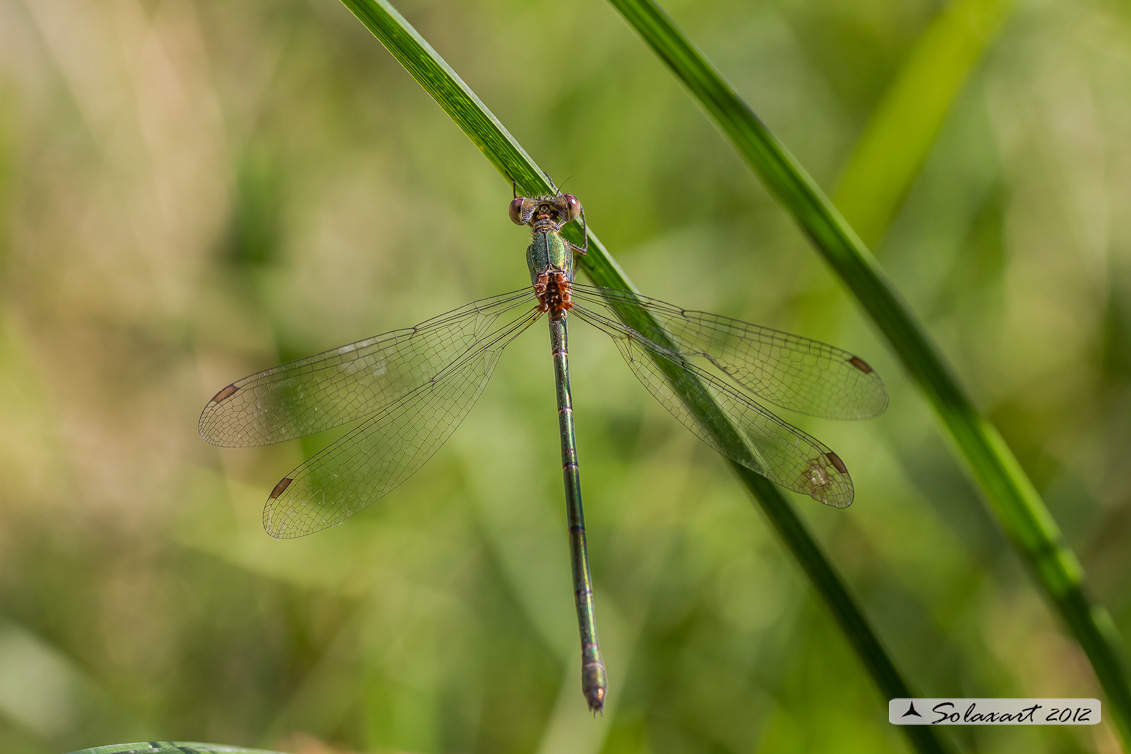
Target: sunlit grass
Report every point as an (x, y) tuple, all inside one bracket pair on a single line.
[(194, 191)]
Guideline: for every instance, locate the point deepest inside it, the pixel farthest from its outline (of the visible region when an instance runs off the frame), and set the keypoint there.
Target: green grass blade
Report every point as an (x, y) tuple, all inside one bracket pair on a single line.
[(908, 119), (171, 747), (450, 92), (1012, 498)]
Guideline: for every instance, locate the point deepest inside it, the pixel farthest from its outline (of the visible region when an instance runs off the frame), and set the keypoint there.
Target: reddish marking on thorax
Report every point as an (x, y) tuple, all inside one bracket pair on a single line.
[(545, 220), (554, 293)]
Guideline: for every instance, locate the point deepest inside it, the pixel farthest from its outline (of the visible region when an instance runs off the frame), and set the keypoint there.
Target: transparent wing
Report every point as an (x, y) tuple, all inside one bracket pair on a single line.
[(375, 458), (776, 450), (786, 370), (332, 388)]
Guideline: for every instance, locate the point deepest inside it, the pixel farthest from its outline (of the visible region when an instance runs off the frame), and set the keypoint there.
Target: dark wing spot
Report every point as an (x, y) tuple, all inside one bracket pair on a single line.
[(280, 487), (834, 459), (225, 394), (860, 364)]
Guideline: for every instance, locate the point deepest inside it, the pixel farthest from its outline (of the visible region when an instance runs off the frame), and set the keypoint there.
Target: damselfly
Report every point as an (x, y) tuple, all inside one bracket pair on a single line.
[(414, 386)]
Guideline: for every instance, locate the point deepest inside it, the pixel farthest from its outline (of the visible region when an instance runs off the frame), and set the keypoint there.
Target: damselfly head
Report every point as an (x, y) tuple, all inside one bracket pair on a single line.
[(524, 210)]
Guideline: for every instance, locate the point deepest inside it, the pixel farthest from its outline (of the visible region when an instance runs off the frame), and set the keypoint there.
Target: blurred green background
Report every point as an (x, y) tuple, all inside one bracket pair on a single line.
[(193, 191)]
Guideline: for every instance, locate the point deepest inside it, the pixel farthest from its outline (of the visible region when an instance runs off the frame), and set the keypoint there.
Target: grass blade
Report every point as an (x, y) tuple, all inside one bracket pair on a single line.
[(472, 116), (171, 747), (908, 119), (1013, 500)]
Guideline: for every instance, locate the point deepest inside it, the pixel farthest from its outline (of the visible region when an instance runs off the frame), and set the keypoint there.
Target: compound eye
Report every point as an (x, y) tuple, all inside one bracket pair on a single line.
[(516, 211), (573, 206)]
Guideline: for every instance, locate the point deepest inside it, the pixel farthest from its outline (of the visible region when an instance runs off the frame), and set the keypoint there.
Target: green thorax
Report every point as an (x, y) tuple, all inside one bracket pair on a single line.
[(549, 252), (549, 256)]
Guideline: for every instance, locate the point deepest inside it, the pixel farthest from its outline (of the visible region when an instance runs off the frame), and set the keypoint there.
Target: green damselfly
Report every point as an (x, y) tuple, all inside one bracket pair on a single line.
[(416, 385)]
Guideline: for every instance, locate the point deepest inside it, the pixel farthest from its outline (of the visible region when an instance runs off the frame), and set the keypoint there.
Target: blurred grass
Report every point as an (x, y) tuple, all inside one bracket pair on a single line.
[(1010, 495), (484, 130), (892, 148), (171, 747), (138, 140)]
